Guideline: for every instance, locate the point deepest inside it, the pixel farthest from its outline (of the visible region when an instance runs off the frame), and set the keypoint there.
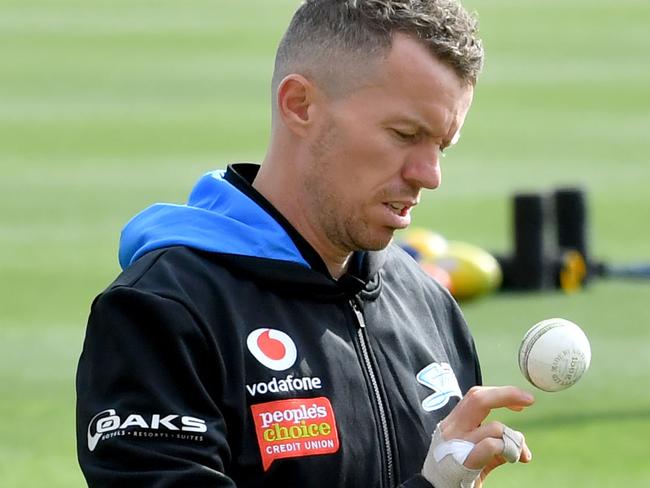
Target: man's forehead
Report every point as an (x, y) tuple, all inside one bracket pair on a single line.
[(412, 71), (410, 57)]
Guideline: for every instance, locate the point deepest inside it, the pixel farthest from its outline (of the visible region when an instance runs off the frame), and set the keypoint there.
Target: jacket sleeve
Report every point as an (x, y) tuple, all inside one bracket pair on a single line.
[(146, 409), (417, 481)]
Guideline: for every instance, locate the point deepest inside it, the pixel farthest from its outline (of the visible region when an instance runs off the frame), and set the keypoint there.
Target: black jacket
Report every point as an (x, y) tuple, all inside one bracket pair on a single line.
[(212, 369)]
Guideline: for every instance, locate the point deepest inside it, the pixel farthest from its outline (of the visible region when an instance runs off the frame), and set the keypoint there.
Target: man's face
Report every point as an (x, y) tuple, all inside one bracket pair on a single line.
[(375, 149)]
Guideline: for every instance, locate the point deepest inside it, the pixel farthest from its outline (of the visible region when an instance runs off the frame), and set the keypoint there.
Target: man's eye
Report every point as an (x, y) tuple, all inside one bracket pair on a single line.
[(405, 136)]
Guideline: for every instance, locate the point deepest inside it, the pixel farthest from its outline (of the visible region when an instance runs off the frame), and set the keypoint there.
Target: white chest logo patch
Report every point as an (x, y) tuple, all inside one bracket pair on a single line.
[(442, 380), (273, 348)]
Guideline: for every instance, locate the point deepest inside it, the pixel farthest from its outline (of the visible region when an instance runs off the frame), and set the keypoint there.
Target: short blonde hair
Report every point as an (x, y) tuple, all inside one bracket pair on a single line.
[(332, 41)]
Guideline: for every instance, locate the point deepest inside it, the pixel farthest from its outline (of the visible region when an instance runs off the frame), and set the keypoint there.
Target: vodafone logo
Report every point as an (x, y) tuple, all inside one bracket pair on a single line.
[(273, 348)]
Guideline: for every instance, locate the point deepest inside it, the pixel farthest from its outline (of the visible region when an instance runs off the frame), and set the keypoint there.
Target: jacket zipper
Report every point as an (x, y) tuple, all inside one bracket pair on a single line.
[(363, 342)]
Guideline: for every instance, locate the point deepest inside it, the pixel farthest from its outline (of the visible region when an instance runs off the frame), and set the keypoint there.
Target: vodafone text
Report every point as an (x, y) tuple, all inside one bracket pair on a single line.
[(288, 384)]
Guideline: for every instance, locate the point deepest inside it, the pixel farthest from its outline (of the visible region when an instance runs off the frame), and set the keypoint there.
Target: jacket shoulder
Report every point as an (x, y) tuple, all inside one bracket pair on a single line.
[(400, 266), (178, 273)]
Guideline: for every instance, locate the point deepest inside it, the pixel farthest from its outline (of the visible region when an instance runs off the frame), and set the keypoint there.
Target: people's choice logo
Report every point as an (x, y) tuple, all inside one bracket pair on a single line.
[(273, 348), (295, 428), (442, 380)]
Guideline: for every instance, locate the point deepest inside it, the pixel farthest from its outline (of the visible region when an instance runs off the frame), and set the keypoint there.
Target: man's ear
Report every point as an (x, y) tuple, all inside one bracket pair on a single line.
[(295, 98)]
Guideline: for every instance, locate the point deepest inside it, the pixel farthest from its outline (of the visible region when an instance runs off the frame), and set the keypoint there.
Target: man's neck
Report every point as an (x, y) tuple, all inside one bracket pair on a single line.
[(267, 183), (337, 265)]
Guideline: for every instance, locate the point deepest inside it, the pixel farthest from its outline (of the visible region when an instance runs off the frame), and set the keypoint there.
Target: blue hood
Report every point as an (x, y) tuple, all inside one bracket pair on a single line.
[(217, 218)]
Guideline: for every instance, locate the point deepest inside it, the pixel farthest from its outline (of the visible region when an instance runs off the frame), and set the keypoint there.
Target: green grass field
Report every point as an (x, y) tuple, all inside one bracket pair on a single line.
[(108, 106)]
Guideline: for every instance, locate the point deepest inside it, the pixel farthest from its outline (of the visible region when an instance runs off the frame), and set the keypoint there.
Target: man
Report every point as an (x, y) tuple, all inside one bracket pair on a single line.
[(268, 333)]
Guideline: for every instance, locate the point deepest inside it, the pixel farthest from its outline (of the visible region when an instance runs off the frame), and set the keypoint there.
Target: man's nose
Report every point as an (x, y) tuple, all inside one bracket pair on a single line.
[(422, 169)]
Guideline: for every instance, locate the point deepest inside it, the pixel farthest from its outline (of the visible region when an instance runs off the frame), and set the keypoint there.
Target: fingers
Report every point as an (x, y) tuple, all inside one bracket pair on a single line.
[(492, 451), (477, 404), (526, 454), (491, 429), (484, 452), (513, 444), (494, 443), (501, 440)]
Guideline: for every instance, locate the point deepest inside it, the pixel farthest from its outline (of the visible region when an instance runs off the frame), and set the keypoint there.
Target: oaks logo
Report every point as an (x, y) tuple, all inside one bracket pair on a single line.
[(442, 380), (297, 427), (273, 348), (108, 424)]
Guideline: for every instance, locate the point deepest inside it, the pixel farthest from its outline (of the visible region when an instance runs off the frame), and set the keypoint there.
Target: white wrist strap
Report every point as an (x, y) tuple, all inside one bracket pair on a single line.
[(443, 466)]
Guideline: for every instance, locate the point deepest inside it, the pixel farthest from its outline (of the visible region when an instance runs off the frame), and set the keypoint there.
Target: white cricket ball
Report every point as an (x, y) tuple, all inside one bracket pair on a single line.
[(554, 354)]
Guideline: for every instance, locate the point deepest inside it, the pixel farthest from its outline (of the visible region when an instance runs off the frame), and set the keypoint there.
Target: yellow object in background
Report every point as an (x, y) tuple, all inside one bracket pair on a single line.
[(573, 272), (473, 271), (428, 245)]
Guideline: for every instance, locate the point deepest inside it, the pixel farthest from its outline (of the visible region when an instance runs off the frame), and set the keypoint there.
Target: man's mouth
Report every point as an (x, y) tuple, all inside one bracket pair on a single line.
[(399, 208)]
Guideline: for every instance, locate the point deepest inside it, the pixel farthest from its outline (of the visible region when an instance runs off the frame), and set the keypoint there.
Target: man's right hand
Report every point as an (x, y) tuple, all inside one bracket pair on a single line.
[(464, 450)]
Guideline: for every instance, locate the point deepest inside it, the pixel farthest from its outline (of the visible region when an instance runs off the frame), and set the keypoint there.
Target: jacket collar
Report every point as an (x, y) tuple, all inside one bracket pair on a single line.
[(363, 273)]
